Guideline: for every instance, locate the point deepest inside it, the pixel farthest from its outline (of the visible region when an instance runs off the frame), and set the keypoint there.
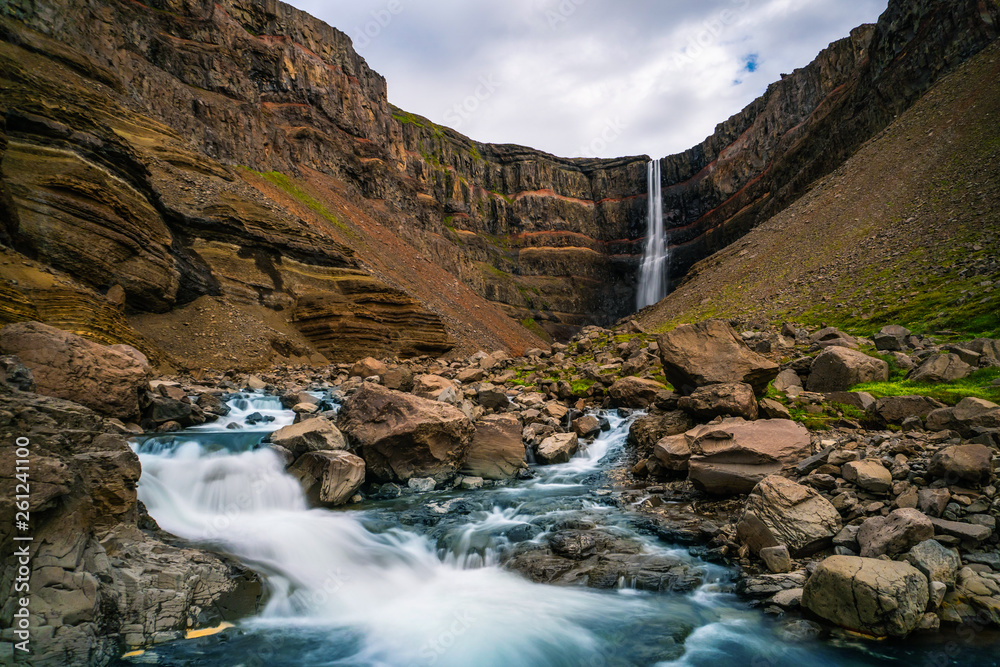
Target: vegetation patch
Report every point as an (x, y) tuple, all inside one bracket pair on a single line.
[(534, 327), (286, 184), (978, 385)]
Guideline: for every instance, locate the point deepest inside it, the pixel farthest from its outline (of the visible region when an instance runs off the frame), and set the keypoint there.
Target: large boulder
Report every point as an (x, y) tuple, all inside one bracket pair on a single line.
[(839, 369), (329, 478), (895, 409), (892, 535), (790, 514), (497, 451), (867, 595), (649, 429), (674, 452), (311, 435), (712, 353), (731, 400), (436, 388), (68, 366), (558, 448), (968, 464), (734, 456), (970, 414), (937, 562), (892, 338), (633, 392), (402, 436), (368, 367), (941, 368)]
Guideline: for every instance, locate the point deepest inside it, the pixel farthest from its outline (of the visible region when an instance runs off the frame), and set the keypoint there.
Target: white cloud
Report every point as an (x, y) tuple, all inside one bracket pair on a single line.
[(663, 72)]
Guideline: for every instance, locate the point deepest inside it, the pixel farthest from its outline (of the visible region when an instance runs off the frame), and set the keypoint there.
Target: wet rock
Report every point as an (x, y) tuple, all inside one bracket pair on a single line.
[(712, 353), (894, 534), (870, 596), (941, 368), (732, 457), (471, 483), (558, 448), (731, 400), (971, 464), (421, 484), (68, 366), (633, 392), (839, 369), (781, 512), (310, 435), (403, 436), (573, 544), (497, 450), (587, 426), (329, 478)]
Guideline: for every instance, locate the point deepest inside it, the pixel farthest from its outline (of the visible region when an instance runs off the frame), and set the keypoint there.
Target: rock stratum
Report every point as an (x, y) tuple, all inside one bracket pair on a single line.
[(170, 167)]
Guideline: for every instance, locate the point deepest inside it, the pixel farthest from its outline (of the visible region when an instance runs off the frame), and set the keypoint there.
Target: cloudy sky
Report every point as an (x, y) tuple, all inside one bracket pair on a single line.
[(588, 77)]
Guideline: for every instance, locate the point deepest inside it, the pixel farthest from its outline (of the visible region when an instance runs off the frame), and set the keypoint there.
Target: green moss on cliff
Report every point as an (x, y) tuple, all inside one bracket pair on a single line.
[(286, 184)]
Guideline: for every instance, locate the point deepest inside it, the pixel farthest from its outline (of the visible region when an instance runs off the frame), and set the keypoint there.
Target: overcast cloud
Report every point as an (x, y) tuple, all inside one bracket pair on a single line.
[(588, 77)]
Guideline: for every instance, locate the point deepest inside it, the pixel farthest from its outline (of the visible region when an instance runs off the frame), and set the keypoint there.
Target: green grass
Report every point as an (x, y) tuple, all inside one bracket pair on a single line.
[(977, 385), (534, 327), (286, 184)]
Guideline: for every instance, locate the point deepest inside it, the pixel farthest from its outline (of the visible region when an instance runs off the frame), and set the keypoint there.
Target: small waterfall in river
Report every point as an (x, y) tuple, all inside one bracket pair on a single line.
[(656, 259)]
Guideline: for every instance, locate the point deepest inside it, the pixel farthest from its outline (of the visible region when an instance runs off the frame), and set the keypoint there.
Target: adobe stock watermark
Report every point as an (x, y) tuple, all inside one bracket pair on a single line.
[(559, 13), (611, 132), (21, 553), (366, 33), (463, 111), (708, 33), (435, 648)]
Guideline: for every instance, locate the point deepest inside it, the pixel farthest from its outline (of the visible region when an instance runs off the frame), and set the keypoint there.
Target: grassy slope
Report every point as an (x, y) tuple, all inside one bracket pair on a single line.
[(907, 232)]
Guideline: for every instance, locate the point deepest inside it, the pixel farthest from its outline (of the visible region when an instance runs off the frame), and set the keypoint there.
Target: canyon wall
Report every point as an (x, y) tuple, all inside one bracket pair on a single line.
[(153, 156)]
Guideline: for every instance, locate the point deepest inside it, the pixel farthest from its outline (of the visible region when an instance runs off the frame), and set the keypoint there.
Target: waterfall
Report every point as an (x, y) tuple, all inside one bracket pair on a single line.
[(656, 259)]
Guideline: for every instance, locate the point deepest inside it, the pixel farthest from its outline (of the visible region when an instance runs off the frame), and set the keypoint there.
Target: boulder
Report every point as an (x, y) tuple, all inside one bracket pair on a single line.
[(712, 353), (866, 595), (972, 464), (895, 409), (587, 426), (734, 456), (633, 392), (787, 379), (497, 451), (771, 409), (403, 436), (986, 348), (869, 474), (970, 414), (941, 368), (159, 410), (436, 388), (492, 398), (937, 562), (892, 338), (649, 429), (788, 514), (894, 534), (558, 448), (833, 337), (68, 366), (673, 452), (310, 435), (730, 399), (839, 369), (971, 533), (368, 367), (399, 378), (329, 478)]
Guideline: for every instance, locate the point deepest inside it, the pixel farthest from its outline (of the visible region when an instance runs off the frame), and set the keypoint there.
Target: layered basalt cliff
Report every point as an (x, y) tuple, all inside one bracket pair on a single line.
[(156, 155)]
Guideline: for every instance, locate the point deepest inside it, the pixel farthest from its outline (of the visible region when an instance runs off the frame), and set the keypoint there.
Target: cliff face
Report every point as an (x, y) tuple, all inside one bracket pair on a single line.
[(242, 151)]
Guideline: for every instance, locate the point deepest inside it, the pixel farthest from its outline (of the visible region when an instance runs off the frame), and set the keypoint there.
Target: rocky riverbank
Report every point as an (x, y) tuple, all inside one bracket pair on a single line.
[(877, 516)]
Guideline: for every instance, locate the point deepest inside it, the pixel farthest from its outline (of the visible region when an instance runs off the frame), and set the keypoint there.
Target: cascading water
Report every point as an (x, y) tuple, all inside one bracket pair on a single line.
[(653, 274), (354, 588)]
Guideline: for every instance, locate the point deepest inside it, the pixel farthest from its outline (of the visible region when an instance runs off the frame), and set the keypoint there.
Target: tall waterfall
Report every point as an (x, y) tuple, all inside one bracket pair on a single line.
[(656, 259)]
